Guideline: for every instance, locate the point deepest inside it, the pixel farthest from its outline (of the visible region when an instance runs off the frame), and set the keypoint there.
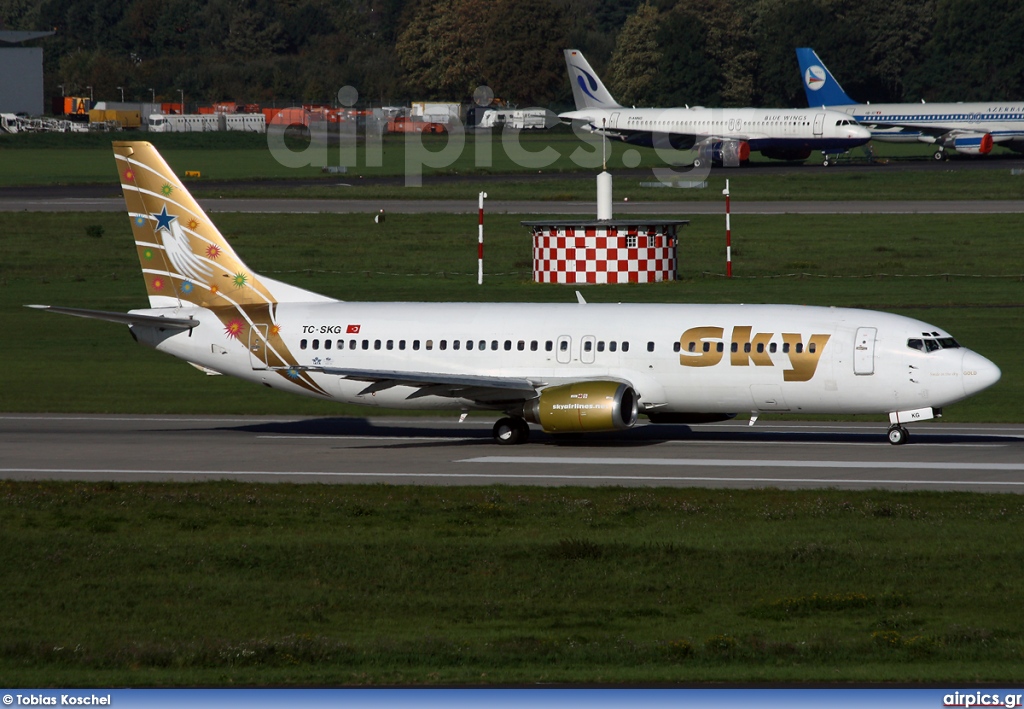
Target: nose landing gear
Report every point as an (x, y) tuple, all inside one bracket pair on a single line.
[(898, 435)]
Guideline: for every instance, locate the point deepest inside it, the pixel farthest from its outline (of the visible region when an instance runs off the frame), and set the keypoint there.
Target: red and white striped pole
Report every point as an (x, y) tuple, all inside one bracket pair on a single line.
[(728, 234), (480, 244)]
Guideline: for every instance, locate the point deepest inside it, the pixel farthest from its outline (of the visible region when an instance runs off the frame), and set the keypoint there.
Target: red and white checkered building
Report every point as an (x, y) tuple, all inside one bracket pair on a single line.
[(605, 251)]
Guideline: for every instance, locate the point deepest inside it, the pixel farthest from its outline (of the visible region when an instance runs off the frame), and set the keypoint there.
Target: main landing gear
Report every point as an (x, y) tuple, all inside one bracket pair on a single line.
[(898, 435), (510, 431)]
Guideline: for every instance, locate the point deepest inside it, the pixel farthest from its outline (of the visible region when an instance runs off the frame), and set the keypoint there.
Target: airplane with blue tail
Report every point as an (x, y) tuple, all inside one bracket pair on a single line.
[(970, 128)]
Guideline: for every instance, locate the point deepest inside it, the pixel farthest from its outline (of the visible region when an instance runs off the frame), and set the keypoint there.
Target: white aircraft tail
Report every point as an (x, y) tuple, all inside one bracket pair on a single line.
[(587, 89), (184, 257)]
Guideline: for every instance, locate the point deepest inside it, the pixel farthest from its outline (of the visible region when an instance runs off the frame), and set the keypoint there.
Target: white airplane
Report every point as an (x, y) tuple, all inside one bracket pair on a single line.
[(970, 128), (565, 367), (719, 135)]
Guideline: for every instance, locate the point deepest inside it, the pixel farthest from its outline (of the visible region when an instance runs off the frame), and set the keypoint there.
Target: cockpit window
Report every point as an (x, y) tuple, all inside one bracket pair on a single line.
[(930, 344)]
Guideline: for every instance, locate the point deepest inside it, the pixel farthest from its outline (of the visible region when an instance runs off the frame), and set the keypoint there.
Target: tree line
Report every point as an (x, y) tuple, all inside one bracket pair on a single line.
[(652, 53)]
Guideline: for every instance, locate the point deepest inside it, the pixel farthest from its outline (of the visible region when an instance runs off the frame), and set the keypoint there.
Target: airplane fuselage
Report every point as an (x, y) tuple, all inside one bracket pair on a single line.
[(719, 359), (1003, 121), (762, 129)]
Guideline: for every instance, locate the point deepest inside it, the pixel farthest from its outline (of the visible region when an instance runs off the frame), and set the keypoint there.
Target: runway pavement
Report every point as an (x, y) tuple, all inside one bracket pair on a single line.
[(440, 451), (399, 206)]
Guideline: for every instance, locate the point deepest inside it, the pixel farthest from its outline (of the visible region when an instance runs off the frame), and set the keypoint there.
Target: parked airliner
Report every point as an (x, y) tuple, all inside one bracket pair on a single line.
[(970, 128), (719, 135), (565, 367)]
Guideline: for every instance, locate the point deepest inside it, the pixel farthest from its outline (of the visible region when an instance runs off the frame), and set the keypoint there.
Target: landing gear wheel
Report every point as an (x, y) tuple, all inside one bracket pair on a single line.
[(510, 431), (698, 162), (939, 155), (898, 435), (825, 163)]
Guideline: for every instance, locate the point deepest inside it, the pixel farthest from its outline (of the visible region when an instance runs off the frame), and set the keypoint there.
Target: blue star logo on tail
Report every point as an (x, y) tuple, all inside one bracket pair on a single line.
[(163, 219)]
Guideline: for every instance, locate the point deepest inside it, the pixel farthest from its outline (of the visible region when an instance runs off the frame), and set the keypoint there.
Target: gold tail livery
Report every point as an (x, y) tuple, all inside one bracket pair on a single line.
[(564, 367)]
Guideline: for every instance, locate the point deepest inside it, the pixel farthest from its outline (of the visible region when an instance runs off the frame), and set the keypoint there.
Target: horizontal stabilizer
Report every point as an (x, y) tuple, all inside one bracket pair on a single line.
[(123, 318)]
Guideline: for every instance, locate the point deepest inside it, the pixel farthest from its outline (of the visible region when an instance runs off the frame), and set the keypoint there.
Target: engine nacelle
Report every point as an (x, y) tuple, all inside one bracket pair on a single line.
[(974, 144), (728, 153), (786, 154), (584, 406)]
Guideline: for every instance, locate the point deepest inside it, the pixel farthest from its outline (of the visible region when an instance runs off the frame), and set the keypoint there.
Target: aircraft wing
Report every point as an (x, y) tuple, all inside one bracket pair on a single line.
[(123, 318), (478, 388)]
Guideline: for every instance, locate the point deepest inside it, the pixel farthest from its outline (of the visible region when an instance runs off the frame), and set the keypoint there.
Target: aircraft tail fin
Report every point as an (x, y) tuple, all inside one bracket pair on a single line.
[(587, 89), (821, 87), (184, 257)]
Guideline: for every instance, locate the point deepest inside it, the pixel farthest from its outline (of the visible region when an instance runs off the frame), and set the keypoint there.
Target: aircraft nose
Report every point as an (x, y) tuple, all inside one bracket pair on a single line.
[(860, 131), (978, 373)]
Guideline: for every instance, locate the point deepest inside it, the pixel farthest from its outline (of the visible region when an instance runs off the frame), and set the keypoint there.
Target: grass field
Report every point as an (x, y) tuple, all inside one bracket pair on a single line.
[(76, 159), (963, 273), (224, 584)]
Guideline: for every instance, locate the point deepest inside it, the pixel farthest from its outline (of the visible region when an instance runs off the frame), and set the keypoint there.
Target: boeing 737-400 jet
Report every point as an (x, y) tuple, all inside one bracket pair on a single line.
[(969, 128), (565, 367), (719, 135)]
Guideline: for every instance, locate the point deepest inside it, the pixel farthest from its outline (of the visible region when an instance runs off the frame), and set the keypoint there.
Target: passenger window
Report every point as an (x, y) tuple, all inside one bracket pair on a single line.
[(692, 347), (482, 345), (494, 344), (746, 347), (563, 345), (812, 347), (785, 348), (327, 344), (376, 344), (600, 346), (533, 345), (456, 344), (625, 347), (707, 346), (720, 347), (316, 344), (341, 344), (612, 346), (760, 347), (428, 345), (772, 347), (401, 344), (508, 345), (415, 344), (548, 346), (469, 344), (676, 347), (799, 347), (352, 344), (587, 346), (391, 344), (443, 345), (303, 344), (734, 347), (650, 347), (366, 344), (521, 345)]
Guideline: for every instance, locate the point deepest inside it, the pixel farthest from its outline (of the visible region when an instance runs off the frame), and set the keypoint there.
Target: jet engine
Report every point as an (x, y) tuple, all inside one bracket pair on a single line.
[(973, 143), (727, 153), (584, 406)]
